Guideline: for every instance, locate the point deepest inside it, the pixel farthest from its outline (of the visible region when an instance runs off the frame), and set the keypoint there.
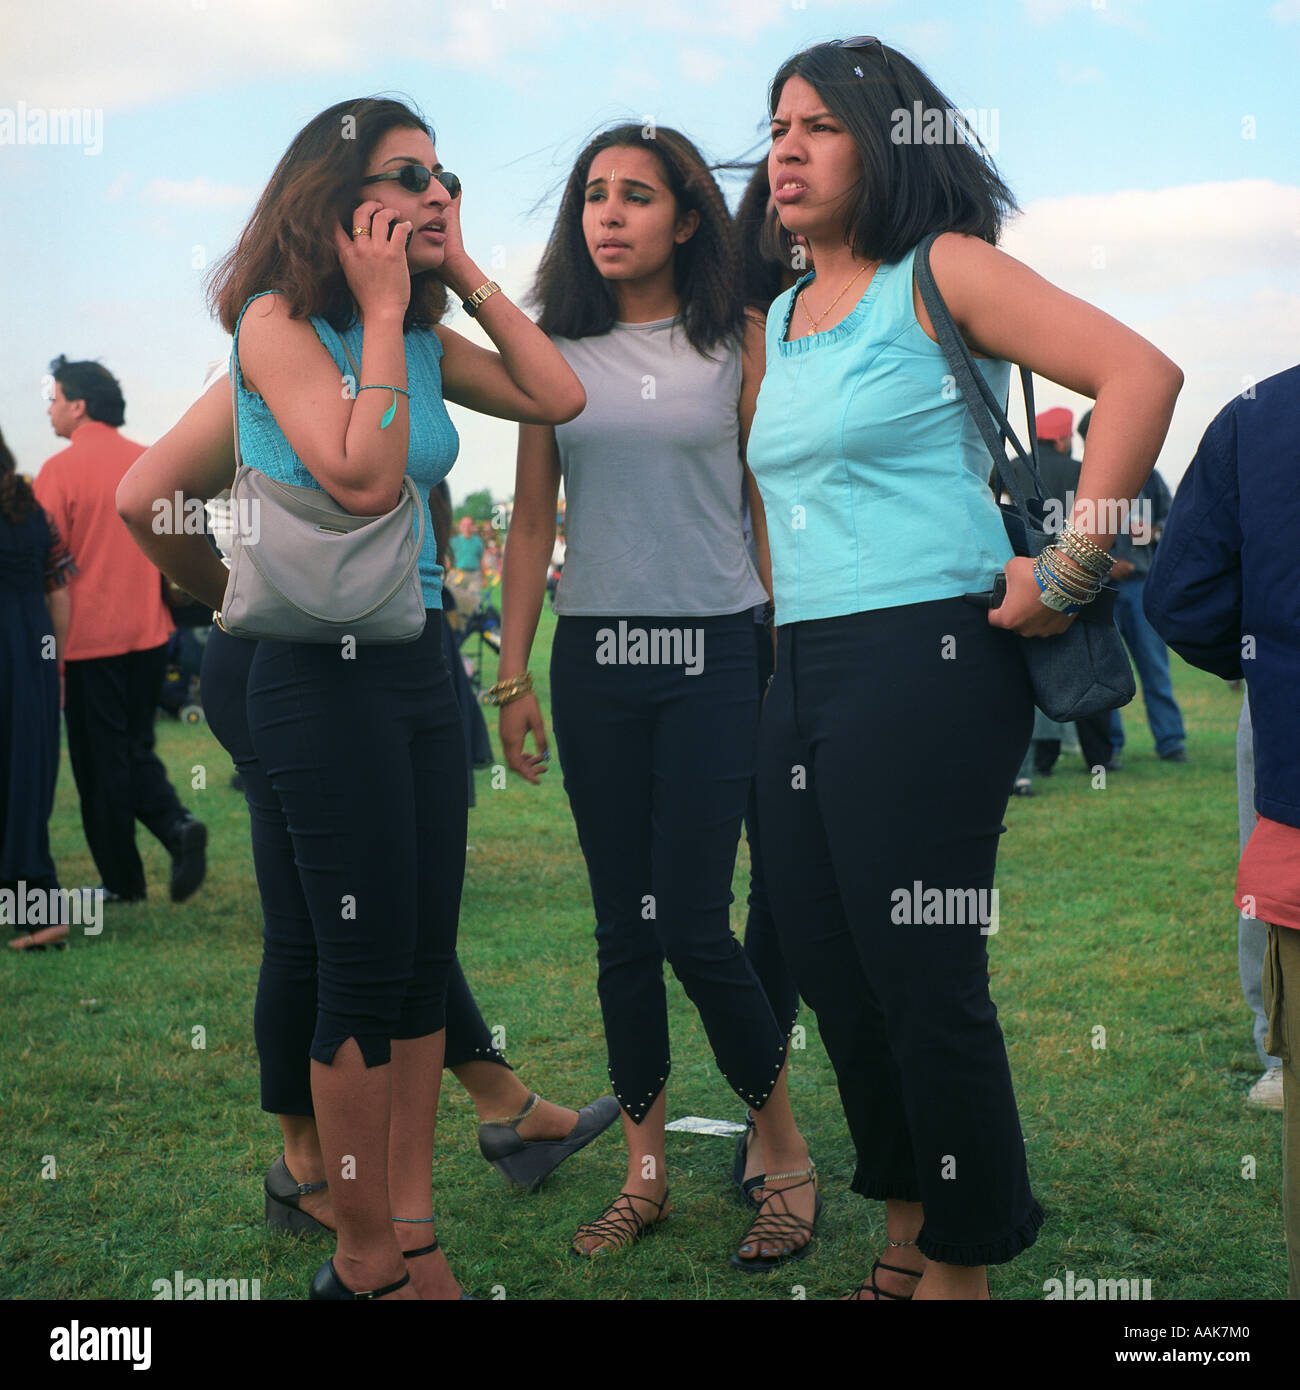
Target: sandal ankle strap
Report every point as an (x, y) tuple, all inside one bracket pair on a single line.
[(809, 1172), (514, 1121), (388, 1288), (423, 1250)]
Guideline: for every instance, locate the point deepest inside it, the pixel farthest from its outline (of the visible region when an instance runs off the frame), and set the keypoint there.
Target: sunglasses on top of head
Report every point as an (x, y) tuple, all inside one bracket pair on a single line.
[(863, 41), (415, 178)]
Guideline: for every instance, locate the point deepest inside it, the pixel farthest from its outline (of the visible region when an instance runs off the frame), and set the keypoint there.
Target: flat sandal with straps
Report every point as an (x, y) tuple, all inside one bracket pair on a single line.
[(779, 1225), (619, 1225), (871, 1287)]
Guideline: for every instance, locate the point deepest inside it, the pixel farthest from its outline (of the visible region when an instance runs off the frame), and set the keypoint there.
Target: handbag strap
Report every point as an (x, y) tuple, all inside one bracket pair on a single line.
[(973, 386), (352, 361)]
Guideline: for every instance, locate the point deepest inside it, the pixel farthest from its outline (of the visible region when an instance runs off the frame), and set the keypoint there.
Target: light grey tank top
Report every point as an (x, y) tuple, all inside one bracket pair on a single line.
[(653, 481)]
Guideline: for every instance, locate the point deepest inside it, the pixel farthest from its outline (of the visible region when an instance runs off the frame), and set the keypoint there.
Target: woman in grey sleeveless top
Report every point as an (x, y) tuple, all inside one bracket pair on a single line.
[(652, 669)]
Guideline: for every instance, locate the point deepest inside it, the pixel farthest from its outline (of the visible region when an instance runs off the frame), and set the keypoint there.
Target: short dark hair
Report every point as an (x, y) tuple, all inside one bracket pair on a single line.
[(94, 384), (1084, 421), (575, 300), (909, 188)]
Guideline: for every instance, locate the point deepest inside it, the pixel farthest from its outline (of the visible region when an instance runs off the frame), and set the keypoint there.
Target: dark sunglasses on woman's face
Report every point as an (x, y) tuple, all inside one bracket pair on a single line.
[(415, 178)]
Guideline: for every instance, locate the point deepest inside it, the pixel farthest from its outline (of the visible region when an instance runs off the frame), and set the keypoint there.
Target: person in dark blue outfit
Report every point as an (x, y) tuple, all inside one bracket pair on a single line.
[(1224, 592), (34, 569)]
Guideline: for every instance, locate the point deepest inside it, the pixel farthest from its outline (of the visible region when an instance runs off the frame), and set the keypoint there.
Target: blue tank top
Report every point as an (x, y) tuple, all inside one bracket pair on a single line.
[(873, 474), (434, 443)]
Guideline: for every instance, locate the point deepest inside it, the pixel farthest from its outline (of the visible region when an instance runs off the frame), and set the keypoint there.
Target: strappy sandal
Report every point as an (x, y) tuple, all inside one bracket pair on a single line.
[(779, 1224), (619, 1225), (746, 1186), (871, 1287)]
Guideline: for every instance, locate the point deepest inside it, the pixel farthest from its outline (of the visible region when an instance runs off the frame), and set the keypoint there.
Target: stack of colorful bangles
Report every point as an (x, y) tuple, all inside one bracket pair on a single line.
[(1066, 588)]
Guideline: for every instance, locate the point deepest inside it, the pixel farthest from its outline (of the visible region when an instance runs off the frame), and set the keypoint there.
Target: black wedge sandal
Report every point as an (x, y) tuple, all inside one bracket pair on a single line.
[(776, 1223), (526, 1163), (619, 1225), (283, 1193)]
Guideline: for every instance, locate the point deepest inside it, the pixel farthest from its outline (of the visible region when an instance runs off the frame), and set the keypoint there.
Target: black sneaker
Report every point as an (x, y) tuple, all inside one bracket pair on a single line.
[(189, 857), (1175, 755)]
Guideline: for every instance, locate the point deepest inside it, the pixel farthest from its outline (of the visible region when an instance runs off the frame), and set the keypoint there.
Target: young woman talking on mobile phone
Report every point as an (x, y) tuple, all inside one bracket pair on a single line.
[(356, 241)]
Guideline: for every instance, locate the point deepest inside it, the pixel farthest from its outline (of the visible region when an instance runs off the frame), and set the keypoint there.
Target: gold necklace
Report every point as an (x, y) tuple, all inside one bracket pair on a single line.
[(815, 321)]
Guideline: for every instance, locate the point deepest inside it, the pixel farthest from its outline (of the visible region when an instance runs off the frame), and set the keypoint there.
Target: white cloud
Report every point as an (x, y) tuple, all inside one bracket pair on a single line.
[(1148, 240), (200, 192), (1120, 14), (1205, 271), (1086, 76), (1049, 11), (924, 39), (700, 65), (118, 57)]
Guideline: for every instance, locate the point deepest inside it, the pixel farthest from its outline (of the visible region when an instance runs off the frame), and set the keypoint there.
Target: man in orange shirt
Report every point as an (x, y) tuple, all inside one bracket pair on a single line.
[(117, 643)]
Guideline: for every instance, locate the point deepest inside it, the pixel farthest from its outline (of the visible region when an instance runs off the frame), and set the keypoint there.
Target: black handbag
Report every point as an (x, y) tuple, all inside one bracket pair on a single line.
[(1085, 669)]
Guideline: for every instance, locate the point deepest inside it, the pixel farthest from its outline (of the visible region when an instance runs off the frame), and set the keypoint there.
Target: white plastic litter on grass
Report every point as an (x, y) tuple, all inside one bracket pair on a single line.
[(697, 1124)]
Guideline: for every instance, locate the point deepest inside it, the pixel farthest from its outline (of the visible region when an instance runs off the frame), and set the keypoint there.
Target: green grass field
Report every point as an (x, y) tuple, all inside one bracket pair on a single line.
[(1137, 1150)]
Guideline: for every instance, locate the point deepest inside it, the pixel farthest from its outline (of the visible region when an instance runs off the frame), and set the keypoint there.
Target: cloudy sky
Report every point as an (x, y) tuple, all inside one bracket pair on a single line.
[(1151, 143)]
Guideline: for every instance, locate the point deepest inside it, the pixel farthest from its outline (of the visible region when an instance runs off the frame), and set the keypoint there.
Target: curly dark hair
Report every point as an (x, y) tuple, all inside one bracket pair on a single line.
[(16, 496), (94, 384), (908, 188), (575, 300), (288, 243)]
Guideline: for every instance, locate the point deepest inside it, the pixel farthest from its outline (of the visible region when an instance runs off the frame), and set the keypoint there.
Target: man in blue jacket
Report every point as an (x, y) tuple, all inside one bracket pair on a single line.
[(1224, 592)]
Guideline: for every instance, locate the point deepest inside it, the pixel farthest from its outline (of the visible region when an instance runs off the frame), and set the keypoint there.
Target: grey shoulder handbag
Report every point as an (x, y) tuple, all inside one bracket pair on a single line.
[(1085, 669), (306, 570)]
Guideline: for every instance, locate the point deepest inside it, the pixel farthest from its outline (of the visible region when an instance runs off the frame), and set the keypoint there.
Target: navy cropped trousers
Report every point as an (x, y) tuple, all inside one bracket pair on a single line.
[(857, 829)]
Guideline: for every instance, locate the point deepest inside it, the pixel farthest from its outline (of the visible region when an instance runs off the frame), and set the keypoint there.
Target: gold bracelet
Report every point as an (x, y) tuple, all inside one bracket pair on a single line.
[(512, 688), (485, 291)]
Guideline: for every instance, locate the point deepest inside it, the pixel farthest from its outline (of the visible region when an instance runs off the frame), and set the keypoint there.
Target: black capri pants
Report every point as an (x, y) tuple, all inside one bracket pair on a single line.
[(889, 744), (284, 1017), (657, 766), (366, 757)]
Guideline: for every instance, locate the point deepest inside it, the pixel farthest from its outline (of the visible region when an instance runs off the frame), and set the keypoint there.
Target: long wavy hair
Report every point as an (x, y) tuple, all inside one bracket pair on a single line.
[(576, 301), (288, 244), (16, 496), (909, 188)]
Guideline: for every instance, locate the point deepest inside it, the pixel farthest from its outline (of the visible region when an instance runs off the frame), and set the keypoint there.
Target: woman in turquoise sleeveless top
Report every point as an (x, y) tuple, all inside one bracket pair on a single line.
[(899, 711), (358, 232)]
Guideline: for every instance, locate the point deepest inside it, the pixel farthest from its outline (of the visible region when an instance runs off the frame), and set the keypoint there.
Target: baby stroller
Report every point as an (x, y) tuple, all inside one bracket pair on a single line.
[(180, 697)]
